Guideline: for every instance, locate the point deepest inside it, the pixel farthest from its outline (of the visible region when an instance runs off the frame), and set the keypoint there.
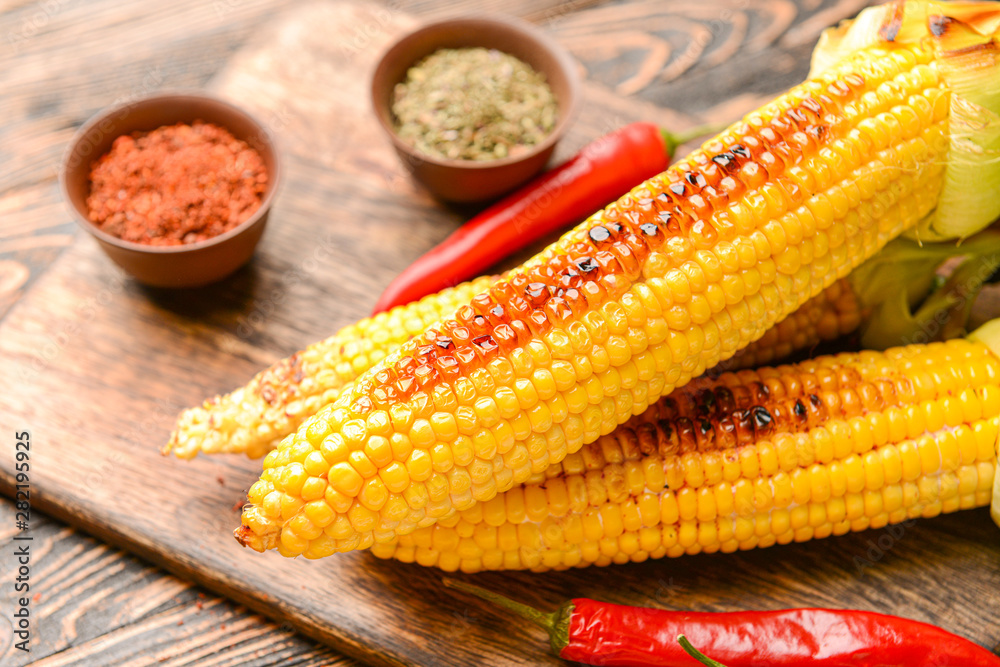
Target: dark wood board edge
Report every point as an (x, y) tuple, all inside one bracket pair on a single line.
[(135, 543)]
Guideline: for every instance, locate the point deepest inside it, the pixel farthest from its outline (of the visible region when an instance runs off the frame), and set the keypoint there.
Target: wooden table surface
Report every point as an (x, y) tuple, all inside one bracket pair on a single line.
[(63, 60)]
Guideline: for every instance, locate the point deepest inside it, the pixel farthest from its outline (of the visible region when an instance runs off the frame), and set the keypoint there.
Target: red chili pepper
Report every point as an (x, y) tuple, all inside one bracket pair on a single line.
[(601, 633), (604, 170)]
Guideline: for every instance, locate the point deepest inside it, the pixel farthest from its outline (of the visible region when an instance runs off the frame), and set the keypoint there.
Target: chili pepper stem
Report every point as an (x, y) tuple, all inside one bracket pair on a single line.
[(696, 654), (555, 624), (672, 140)]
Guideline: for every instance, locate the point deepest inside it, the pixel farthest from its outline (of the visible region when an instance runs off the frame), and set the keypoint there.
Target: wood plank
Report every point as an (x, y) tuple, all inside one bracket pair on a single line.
[(92, 605), (96, 368)]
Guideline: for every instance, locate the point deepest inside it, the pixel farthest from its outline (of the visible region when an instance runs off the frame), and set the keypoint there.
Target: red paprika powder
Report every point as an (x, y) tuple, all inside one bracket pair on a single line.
[(174, 185)]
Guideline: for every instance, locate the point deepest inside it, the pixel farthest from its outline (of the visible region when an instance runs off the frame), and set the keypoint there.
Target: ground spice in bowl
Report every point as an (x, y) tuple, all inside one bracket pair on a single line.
[(175, 185), (473, 104)]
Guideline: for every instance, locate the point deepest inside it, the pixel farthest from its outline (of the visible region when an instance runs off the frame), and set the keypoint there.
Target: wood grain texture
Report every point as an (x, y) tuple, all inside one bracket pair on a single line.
[(97, 366), (92, 605)]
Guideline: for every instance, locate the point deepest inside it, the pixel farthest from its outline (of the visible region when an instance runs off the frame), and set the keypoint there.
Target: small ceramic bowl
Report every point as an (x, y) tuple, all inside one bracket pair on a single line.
[(469, 180), (188, 265)]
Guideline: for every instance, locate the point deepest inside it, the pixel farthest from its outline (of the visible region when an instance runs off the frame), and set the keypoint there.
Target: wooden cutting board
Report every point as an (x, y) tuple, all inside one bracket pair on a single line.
[(96, 367)]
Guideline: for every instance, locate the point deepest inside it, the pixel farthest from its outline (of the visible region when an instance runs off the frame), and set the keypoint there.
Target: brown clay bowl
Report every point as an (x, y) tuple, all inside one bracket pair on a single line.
[(468, 180), (189, 265)]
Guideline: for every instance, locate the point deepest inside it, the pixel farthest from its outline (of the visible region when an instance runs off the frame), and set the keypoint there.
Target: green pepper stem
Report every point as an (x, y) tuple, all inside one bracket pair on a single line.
[(696, 654), (672, 140), (555, 624), (540, 618)]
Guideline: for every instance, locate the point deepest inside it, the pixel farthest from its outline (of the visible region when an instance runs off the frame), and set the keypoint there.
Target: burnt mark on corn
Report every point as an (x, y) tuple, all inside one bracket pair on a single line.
[(599, 234), (723, 418), (724, 159), (743, 426), (724, 398), (762, 419), (705, 434), (696, 179), (816, 409), (705, 404), (725, 431), (890, 29), (686, 437), (646, 439), (613, 249), (486, 343), (939, 25), (649, 229), (817, 132), (666, 219), (666, 429), (668, 408)]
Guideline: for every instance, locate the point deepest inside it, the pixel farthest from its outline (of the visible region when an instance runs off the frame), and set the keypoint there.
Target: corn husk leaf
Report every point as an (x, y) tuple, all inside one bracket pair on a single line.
[(963, 36), (908, 302), (969, 63), (874, 26), (989, 335), (903, 266)]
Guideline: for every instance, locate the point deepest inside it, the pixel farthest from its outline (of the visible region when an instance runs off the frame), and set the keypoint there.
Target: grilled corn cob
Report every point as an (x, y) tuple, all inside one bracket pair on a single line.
[(252, 420), (255, 417), (751, 459), (664, 283)]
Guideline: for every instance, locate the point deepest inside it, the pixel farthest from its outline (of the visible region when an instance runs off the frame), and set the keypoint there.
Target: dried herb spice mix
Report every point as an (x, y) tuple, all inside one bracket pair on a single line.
[(473, 104)]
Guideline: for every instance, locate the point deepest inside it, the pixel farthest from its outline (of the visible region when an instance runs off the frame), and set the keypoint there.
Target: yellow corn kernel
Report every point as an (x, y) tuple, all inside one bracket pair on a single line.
[(346, 479), (395, 477)]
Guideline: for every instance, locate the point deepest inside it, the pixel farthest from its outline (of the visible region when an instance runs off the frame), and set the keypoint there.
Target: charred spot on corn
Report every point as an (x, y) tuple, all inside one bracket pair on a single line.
[(939, 25), (599, 234), (649, 229), (914, 443), (789, 137), (762, 419)]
